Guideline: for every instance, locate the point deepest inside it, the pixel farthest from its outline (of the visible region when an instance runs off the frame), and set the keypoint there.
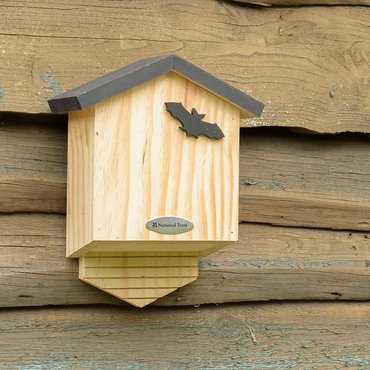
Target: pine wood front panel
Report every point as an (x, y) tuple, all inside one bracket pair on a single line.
[(146, 167)]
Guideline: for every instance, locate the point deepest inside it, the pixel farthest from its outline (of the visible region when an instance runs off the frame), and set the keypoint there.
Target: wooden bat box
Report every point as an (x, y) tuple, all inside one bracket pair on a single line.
[(153, 174)]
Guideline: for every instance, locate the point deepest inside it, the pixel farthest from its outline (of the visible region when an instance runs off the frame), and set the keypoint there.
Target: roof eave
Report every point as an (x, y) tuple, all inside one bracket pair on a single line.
[(106, 86), (60, 104)]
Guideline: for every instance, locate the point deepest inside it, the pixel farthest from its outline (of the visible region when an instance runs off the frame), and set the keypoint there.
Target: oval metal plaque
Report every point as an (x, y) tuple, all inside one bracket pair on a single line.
[(169, 225)]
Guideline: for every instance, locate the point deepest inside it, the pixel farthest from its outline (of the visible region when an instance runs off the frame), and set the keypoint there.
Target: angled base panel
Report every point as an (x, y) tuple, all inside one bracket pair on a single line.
[(138, 279)]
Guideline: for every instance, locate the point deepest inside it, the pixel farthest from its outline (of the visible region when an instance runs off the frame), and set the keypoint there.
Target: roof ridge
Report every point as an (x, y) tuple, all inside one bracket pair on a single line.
[(144, 70)]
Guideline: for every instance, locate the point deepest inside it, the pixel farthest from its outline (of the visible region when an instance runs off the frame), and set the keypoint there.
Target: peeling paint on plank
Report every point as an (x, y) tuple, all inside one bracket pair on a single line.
[(52, 82)]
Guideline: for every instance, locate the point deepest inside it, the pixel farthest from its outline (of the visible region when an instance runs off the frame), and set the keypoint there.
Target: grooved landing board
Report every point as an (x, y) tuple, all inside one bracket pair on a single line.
[(267, 263), (251, 336), (138, 280), (309, 65)]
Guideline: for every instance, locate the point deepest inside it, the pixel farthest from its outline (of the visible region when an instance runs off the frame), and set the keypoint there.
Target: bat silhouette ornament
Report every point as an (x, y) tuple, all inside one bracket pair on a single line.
[(192, 123)]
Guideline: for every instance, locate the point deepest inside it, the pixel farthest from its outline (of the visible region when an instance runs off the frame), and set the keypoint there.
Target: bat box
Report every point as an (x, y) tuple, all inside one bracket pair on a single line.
[(153, 174)]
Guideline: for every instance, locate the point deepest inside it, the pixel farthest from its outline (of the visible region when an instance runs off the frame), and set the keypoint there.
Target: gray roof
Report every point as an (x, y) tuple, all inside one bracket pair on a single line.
[(146, 69)]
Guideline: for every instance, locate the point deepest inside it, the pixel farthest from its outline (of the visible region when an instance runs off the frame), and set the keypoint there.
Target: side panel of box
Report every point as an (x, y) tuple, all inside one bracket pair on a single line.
[(80, 179), (146, 167)]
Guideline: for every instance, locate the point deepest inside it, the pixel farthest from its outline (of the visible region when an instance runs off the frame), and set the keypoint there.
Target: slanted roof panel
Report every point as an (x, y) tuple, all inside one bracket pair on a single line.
[(144, 70), (111, 84), (218, 87)]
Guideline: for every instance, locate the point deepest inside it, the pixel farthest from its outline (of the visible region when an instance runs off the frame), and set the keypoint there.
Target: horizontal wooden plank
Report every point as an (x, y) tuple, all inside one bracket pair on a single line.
[(267, 263), (299, 180), (305, 209), (259, 336), (307, 64), (33, 156), (285, 179), (302, 2)]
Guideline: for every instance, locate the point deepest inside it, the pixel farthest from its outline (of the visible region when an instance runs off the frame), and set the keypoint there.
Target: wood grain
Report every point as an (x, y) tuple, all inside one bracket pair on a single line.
[(302, 2), (285, 178), (309, 65), (138, 280), (267, 263), (259, 336), (80, 176), (130, 163), (309, 181), (33, 156), (201, 248)]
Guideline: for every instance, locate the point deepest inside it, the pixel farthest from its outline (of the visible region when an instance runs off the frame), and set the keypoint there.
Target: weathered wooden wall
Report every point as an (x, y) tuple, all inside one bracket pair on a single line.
[(306, 186), (302, 2), (267, 263), (308, 64), (285, 179), (304, 199), (259, 336)]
